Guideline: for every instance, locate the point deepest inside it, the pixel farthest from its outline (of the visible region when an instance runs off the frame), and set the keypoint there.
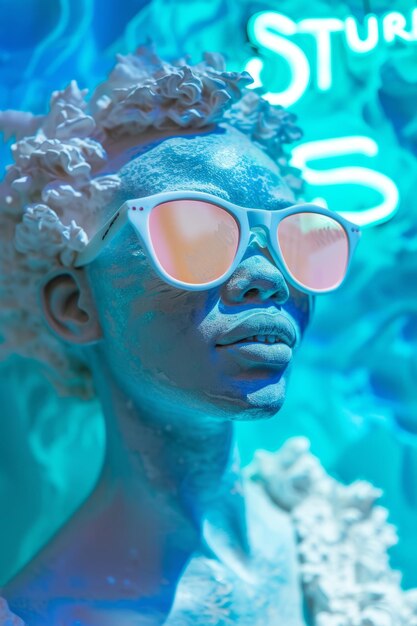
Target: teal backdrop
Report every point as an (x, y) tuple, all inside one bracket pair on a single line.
[(353, 391)]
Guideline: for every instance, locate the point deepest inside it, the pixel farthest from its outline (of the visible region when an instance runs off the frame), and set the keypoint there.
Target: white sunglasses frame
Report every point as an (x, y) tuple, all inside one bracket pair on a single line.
[(137, 212)]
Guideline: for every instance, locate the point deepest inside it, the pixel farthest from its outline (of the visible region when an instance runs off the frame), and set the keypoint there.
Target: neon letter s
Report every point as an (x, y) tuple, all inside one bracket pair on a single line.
[(264, 31), (342, 146)]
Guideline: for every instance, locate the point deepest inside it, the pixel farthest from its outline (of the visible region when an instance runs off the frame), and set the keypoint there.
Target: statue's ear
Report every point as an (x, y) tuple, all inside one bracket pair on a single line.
[(69, 307)]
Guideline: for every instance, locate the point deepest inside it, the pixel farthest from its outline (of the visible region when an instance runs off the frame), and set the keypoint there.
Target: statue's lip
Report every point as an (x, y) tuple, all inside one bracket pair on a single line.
[(260, 324)]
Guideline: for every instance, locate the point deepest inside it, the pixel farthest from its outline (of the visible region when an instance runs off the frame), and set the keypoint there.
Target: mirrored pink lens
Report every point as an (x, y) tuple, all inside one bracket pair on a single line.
[(195, 242), (315, 249)]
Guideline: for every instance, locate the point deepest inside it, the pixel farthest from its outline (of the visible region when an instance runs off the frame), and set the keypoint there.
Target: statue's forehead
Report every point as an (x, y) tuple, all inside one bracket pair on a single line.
[(227, 165)]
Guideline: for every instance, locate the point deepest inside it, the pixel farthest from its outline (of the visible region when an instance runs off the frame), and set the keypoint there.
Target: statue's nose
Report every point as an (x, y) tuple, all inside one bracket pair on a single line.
[(256, 278)]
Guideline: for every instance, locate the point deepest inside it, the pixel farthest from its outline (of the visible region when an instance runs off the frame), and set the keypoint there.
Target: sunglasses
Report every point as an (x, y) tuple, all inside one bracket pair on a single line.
[(196, 240)]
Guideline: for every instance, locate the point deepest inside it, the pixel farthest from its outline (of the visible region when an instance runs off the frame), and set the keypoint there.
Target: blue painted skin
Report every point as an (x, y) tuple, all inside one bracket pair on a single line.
[(172, 534)]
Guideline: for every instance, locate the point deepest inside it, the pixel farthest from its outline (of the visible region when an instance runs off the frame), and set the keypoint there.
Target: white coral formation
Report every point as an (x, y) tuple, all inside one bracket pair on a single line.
[(53, 195), (165, 96), (343, 541), (50, 202)]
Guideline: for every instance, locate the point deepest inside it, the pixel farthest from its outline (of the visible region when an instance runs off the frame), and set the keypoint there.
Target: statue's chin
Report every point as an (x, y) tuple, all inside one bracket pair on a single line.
[(258, 408), (253, 402)]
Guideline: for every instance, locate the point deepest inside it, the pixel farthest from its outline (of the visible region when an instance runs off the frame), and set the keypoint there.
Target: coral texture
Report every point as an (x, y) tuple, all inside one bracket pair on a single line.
[(343, 541)]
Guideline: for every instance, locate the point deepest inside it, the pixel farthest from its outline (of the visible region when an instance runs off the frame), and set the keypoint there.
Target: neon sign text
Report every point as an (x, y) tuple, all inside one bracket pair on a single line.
[(277, 38), (303, 154), (270, 31)]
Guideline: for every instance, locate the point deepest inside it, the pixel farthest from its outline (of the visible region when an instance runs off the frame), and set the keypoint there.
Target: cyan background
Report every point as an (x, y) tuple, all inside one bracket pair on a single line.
[(353, 391)]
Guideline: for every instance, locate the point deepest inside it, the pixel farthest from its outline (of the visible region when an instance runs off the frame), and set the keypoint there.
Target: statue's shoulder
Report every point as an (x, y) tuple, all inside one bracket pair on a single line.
[(343, 540)]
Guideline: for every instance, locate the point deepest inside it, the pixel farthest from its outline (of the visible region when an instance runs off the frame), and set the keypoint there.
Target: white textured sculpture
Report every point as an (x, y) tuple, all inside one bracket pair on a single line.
[(174, 532)]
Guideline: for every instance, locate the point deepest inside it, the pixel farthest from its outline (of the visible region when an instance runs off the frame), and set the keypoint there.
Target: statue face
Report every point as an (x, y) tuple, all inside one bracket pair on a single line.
[(161, 343)]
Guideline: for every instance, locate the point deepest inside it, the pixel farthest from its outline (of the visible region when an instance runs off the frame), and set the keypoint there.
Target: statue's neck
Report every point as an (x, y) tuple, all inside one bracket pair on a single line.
[(169, 488), (189, 462), (169, 481)]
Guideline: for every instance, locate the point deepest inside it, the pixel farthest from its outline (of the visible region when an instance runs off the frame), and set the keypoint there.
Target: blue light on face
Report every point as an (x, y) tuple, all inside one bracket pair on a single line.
[(187, 322)]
